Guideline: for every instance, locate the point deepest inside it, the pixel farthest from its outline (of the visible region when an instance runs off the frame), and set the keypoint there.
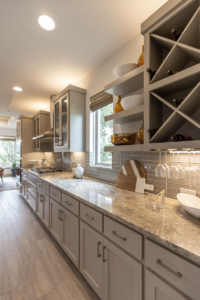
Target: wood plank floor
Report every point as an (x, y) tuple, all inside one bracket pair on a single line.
[(32, 264)]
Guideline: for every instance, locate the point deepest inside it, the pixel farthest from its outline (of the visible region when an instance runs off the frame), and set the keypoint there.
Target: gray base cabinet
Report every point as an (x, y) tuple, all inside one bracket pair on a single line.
[(64, 226), (122, 275), (91, 257), (43, 207), (157, 289)]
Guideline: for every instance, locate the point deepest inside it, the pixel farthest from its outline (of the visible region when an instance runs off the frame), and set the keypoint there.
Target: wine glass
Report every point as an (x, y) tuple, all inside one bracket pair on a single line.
[(180, 169), (165, 165), (173, 171), (190, 173), (160, 169)]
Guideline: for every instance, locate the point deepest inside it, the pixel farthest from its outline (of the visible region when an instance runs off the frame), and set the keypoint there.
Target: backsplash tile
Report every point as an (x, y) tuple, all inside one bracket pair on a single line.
[(148, 159)]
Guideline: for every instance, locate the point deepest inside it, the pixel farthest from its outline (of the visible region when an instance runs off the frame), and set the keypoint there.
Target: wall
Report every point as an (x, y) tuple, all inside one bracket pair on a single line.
[(7, 131)]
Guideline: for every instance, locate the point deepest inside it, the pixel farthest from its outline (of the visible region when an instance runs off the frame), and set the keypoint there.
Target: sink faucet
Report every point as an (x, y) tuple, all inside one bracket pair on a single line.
[(160, 200)]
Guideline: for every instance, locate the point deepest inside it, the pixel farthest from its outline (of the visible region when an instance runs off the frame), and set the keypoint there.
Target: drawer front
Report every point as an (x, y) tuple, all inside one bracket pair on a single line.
[(39, 183), (177, 271), (32, 179), (31, 201), (91, 216), (45, 188), (70, 203), (31, 188), (55, 194), (124, 237)]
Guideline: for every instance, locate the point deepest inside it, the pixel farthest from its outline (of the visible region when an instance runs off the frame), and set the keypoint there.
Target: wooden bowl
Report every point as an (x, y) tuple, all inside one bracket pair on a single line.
[(123, 139)]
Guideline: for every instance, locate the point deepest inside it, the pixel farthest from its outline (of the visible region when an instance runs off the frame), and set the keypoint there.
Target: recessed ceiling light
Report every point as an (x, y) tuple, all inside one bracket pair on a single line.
[(16, 88), (46, 22)]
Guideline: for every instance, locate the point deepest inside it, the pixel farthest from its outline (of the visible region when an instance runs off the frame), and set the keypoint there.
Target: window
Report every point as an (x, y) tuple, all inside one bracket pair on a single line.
[(7, 152), (103, 132)]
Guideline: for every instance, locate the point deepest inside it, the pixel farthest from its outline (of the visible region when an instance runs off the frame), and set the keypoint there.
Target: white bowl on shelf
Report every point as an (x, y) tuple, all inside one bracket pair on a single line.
[(132, 101), (123, 69), (190, 203)]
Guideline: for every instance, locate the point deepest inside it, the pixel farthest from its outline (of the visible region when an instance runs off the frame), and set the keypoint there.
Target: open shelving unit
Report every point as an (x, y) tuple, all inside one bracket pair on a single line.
[(181, 56), (130, 115)]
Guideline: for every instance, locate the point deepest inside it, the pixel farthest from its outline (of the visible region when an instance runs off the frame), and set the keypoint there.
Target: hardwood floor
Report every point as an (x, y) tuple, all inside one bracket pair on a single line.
[(32, 265)]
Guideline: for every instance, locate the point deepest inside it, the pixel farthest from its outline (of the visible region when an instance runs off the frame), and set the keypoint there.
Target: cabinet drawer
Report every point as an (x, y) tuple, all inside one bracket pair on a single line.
[(31, 201), (31, 188), (32, 179), (91, 216), (124, 237), (70, 203), (43, 186), (177, 271), (55, 194)]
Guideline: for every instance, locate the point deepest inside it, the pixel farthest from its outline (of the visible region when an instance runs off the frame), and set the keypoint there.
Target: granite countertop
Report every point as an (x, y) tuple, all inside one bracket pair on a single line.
[(171, 227)]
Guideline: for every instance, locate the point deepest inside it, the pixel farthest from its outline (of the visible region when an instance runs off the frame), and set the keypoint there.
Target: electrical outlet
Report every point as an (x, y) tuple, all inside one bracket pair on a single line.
[(185, 191), (149, 187)]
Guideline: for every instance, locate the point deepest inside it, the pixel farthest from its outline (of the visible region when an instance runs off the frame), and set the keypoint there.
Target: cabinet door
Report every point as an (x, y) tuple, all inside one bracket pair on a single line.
[(122, 275), (65, 122), (18, 129), (35, 134), (57, 124), (157, 289), (46, 210), (38, 132), (71, 235), (39, 205), (55, 225), (91, 257)]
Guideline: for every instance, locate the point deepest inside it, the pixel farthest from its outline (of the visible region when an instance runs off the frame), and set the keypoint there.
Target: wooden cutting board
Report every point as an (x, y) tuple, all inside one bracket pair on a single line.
[(128, 175)]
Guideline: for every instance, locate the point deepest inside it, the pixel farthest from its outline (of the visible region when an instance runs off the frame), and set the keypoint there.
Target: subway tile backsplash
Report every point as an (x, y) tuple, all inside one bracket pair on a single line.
[(148, 159)]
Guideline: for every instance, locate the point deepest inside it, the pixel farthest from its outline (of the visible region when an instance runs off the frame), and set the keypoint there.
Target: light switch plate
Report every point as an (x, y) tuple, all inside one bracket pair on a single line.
[(191, 192)]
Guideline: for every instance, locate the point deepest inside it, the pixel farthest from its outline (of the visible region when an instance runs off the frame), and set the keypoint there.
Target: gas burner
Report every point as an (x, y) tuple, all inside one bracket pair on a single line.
[(45, 170)]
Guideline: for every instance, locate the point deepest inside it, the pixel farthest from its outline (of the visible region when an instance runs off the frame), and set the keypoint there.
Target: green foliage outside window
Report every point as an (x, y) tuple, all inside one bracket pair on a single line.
[(105, 131), (7, 153)]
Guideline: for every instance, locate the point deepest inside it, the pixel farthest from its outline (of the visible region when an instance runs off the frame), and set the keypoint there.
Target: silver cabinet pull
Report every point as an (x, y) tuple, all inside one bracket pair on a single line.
[(67, 202), (91, 218), (54, 194), (98, 254), (38, 184), (41, 198), (104, 259), (59, 211), (160, 263), (44, 188), (120, 237)]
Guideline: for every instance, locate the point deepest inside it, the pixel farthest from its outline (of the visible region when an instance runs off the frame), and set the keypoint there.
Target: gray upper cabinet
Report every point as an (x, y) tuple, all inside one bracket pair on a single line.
[(69, 120), (18, 129), (41, 123)]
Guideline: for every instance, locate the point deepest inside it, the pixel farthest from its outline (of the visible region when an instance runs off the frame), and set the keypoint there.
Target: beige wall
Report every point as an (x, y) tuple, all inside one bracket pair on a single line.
[(103, 75), (7, 131)]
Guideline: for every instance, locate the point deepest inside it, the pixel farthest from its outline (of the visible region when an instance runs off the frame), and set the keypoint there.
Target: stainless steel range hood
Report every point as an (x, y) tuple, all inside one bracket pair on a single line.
[(49, 134)]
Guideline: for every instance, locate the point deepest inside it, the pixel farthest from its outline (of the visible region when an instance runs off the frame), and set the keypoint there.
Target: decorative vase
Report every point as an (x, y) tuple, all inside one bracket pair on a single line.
[(118, 106), (79, 171), (141, 59), (141, 134), (43, 163)]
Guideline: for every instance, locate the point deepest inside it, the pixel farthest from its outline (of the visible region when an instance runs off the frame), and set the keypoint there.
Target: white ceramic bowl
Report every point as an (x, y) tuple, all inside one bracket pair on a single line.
[(121, 70), (190, 203), (132, 101)]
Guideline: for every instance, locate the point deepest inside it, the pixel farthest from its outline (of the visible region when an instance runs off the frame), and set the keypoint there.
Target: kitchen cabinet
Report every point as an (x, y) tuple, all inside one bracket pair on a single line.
[(122, 275), (65, 228), (55, 225), (41, 121), (18, 129), (91, 265), (43, 207), (69, 120), (157, 289), (31, 201)]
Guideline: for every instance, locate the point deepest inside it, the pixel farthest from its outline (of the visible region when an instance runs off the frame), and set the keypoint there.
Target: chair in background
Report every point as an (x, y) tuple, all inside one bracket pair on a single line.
[(1, 173)]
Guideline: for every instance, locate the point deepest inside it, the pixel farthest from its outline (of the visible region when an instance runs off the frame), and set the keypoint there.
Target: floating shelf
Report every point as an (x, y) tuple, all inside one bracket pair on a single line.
[(135, 147), (130, 115), (185, 145), (127, 84)]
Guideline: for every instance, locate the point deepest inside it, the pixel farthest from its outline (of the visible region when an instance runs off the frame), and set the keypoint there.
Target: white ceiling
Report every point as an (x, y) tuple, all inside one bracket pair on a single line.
[(44, 62)]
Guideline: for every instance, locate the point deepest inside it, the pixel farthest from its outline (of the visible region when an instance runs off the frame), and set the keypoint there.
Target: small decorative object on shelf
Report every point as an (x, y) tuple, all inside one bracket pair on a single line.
[(141, 59), (152, 132), (176, 34), (177, 102), (141, 134), (118, 106), (170, 72), (79, 171), (152, 73), (181, 137), (123, 139)]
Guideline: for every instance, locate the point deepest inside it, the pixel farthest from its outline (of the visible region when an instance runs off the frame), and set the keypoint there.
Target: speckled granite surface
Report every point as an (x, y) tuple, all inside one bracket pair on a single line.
[(171, 227)]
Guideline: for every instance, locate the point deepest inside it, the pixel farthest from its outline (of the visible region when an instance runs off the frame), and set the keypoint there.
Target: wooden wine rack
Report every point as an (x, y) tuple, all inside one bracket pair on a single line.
[(163, 53)]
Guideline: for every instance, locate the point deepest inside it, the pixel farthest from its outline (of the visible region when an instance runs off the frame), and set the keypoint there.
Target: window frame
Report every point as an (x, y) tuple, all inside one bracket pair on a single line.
[(96, 142)]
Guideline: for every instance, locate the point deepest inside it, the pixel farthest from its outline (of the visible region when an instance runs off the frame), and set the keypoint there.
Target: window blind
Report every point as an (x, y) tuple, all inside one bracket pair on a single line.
[(100, 100)]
